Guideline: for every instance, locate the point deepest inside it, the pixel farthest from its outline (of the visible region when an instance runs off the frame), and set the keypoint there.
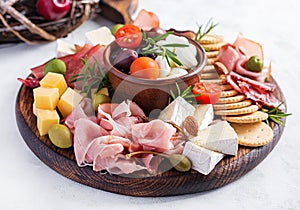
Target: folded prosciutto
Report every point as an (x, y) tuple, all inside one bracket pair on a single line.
[(118, 130), (118, 119)]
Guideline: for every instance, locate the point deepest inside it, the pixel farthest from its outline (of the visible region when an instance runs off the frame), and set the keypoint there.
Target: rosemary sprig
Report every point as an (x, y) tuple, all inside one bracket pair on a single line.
[(275, 114), (90, 76), (186, 94), (162, 50), (204, 30)]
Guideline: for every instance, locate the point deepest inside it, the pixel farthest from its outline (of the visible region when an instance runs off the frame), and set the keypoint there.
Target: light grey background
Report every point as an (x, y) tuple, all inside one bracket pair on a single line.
[(26, 183)]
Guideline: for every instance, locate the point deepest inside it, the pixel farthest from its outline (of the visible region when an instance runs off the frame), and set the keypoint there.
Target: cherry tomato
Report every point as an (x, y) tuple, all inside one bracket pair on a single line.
[(144, 67), (129, 36), (53, 9), (209, 92)]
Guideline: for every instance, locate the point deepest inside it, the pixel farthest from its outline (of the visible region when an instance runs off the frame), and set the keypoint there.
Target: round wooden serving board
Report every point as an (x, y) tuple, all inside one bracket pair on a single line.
[(165, 184)]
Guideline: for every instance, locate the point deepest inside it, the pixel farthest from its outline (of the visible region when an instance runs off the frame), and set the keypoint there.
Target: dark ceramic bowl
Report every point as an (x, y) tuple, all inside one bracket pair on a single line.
[(150, 95)]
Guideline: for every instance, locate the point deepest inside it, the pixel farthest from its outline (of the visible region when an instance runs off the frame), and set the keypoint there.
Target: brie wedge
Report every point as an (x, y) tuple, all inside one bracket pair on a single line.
[(203, 160), (219, 137), (100, 36), (177, 111), (204, 114)]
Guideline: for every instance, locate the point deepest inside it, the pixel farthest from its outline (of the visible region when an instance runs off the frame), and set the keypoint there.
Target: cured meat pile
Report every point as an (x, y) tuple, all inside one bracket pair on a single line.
[(251, 84), (102, 141)]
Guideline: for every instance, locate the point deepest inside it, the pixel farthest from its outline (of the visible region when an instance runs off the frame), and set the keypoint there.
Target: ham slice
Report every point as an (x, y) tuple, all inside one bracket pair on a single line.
[(146, 20), (249, 47), (229, 56), (234, 57)]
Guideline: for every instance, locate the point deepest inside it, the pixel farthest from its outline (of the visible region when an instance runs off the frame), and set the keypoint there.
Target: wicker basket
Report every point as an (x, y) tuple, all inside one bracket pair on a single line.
[(19, 21)]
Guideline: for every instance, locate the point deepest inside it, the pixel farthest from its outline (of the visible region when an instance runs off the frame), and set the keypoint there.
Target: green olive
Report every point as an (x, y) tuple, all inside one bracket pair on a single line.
[(115, 28), (100, 99), (60, 136), (255, 64), (56, 65), (180, 162)]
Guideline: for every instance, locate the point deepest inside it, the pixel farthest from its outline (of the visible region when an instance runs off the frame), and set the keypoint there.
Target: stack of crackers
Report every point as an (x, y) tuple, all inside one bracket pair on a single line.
[(243, 115)]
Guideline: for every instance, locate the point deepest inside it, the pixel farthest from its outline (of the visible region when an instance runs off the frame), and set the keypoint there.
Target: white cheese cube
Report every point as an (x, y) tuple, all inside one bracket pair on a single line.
[(203, 160), (100, 36), (219, 137), (63, 48)]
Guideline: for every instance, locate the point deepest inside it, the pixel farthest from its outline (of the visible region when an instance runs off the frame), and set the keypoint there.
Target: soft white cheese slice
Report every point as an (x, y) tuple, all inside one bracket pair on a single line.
[(63, 48), (177, 111), (100, 36), (203, 160), (219, 137), (204, 114)]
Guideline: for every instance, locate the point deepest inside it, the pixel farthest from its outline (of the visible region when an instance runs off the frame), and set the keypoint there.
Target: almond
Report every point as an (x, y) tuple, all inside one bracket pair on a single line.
[(190, 125)]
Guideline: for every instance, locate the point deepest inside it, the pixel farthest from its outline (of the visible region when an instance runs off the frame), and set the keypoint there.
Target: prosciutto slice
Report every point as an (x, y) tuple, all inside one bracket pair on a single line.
[(154, 135), (84, 133), (118, 119), (84, 110), (120, 129)]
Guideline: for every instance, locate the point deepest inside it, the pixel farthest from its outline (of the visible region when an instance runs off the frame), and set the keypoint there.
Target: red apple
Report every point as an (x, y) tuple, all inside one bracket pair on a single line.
[(53, 9)]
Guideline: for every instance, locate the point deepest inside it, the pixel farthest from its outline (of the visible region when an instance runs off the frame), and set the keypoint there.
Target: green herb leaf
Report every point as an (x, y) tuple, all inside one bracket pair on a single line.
[(175, 45), (186, 94), (162, 36), (161, 50), (206, 30), (90, 77), (275, 114)]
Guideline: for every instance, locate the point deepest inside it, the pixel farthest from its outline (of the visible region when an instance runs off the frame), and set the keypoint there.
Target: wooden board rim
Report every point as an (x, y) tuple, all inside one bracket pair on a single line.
[(167, 184)]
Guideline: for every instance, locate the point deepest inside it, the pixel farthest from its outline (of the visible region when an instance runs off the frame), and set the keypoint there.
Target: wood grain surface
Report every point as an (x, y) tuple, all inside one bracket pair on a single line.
[(165, 184)]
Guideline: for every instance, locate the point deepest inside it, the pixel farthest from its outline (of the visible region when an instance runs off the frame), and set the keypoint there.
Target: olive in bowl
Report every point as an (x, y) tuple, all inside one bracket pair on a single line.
[(149, 94)]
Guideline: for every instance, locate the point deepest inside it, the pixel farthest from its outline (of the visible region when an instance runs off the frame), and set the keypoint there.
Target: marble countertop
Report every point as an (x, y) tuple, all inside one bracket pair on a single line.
[(27, 183)]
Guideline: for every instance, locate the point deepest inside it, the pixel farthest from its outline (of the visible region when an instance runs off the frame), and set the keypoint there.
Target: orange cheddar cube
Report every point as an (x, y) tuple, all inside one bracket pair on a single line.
[(54, 80), (68, 101), (45, 119), (46, 98)]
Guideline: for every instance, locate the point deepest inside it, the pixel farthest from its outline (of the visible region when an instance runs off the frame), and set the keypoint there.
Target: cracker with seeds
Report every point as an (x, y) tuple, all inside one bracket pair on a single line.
[(240, 111), (257, 116), (253, 134)]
